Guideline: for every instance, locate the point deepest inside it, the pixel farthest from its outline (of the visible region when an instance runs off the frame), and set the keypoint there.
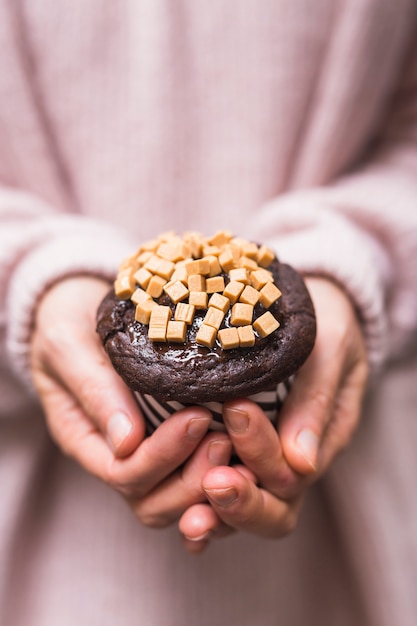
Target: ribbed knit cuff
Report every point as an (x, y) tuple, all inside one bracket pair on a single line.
[(325, 243)]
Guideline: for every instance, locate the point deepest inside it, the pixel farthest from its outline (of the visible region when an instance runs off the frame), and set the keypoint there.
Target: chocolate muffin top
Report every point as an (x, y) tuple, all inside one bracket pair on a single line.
[(215, 355)]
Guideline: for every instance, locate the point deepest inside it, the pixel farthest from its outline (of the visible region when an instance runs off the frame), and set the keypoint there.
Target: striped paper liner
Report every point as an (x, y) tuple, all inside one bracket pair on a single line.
[(156, 412)]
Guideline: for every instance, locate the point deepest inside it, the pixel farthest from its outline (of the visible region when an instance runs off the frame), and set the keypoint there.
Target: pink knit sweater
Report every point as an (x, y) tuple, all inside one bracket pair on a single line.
[(287, 121)]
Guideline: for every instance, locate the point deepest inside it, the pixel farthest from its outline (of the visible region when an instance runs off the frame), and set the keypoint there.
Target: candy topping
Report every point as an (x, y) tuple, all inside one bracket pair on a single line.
[(215, 274)]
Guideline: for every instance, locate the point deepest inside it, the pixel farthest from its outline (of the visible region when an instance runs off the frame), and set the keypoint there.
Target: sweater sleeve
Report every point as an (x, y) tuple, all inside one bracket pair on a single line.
[(39, 245), (361, 230)]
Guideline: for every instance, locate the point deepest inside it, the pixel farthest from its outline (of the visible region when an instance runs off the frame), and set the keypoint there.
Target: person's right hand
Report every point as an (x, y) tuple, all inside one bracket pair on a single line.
[(93, 417), (264, 495)]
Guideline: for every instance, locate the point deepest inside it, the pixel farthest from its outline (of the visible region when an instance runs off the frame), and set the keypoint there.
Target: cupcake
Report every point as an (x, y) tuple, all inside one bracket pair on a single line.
[(194, 320)]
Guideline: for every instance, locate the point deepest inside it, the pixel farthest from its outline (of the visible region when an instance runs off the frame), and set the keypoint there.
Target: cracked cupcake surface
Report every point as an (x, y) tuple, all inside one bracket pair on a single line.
[(197, 319)]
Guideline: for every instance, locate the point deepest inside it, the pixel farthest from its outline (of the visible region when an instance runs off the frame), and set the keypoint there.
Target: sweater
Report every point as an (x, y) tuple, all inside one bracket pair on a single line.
[(288, 122)]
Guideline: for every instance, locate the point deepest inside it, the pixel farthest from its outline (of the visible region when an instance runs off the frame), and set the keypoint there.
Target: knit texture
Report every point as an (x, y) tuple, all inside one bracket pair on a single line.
[(287, 121)]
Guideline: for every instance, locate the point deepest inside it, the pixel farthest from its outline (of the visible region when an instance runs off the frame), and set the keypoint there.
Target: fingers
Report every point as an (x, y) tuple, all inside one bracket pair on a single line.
[(158, 456), (199, 525), (244, 506), (182, 489), (258, 446)]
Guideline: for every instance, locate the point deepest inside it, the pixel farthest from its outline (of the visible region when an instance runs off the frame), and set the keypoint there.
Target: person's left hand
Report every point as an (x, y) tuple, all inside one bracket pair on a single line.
[(264, 495)]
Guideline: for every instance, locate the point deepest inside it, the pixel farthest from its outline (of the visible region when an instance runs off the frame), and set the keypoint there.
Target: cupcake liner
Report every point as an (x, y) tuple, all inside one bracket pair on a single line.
[(156, 412)]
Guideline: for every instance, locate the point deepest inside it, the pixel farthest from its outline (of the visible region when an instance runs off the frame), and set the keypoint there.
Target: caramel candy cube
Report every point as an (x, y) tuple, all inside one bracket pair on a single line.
[(206, 336), (199, 266), (144, 257), (165, 269), (211, 250), (229, 338), (240, 274), (172, 251), (176, 331), (248, 263), (214, 265), (184, 312), (250, 249), (150, 245), (139, 296), (180, 273), (250, 295), (143, 311), (124, 285), (160, 315), (241, 314), (238, 241), (220, 238), (176, 290), (195, 243), (142, 277), (236, 252), (265, 256), (156, 286), (246, 336), (167, 251), (269, 294), (220, 302), (160, 267), (213, 317), (198, 299), (226, 260), (153, 263), (157, 333), (260, 277), (158, 323), (265, 324), (214, 284), (233, 291), (196, 282)]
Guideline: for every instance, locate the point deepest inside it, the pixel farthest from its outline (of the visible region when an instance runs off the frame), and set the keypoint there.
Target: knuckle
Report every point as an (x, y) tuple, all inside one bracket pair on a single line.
[(89, 389), (290, 486), (256, 457), (322, 399), (127, 489)]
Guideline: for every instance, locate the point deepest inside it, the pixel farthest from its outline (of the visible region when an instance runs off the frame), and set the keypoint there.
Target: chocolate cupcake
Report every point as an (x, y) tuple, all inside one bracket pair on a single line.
[(194, 320)]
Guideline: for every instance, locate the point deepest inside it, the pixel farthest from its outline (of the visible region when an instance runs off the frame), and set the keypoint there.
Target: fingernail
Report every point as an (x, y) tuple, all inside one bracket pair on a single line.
[(197, 427), (222, 497), (219, 452), (118, 428), (236, 420), (308, 444)]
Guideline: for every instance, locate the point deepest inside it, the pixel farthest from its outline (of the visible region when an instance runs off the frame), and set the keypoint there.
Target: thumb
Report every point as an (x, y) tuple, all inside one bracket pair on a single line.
[(66, 352), (323, 407), (307, 412), (105, 398)]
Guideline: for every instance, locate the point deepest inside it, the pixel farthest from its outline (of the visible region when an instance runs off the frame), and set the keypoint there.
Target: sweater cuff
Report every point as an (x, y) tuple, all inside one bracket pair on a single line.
[(325, 243), (95, 253)]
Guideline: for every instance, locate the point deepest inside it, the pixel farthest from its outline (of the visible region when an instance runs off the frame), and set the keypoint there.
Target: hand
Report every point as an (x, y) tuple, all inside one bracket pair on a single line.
[(93, 417), (317, 421)]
